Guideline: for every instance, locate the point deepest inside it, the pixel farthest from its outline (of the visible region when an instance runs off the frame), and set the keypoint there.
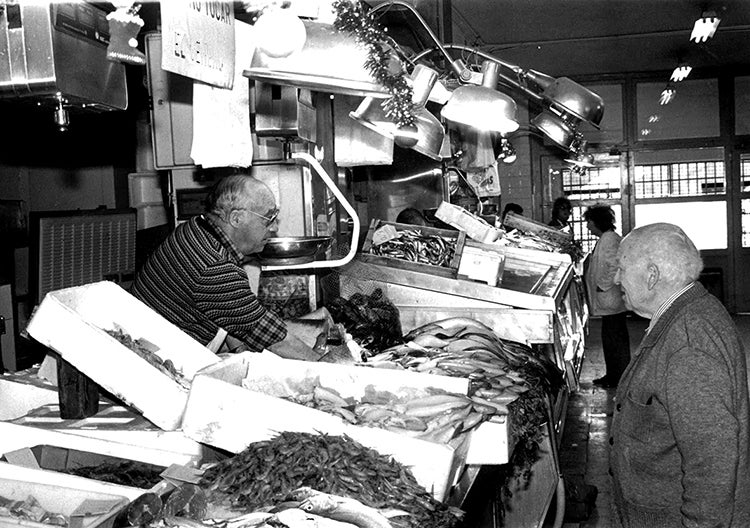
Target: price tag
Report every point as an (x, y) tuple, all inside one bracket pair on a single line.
[(384, 234)]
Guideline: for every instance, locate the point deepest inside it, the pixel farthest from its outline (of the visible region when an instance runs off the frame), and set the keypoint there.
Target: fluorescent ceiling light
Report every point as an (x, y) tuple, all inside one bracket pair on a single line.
[(667, 95), (680, 72), (705, 27)]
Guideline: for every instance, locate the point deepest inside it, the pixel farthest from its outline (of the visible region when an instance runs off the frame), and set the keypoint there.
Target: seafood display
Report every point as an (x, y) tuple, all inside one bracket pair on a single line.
[(125, 473), (429, 414), (412, 245), (147, 350), (372, 320), (269, 475), (29, 510), (505, 377)]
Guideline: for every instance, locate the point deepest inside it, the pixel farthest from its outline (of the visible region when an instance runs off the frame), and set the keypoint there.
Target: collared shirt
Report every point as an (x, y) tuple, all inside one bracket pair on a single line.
[(195, 280), (666, 304)]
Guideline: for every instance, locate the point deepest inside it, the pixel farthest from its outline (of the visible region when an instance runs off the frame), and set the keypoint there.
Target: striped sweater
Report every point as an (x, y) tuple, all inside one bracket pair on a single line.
[(195, 280)]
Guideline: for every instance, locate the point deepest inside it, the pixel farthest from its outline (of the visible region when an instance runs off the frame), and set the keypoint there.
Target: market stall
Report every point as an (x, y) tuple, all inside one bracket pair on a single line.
[(466, 378), (527, 296)]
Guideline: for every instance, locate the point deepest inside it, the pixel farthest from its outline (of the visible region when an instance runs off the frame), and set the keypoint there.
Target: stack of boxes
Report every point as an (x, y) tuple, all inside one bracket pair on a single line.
[(145, 196)]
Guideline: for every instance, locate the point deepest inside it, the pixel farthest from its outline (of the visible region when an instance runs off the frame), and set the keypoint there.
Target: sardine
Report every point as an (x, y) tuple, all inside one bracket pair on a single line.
[(346, 510)]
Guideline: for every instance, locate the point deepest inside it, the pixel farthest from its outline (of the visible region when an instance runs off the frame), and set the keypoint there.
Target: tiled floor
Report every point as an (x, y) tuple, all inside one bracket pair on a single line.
[(584, 448)]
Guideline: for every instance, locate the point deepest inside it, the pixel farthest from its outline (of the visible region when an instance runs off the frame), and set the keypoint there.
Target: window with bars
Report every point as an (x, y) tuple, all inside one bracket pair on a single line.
[(581, 231), (670, 180), (597, 184), (745, 203), (745, 172)]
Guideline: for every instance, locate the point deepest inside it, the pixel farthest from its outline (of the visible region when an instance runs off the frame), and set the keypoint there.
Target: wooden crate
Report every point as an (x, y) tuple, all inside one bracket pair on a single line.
[(450, 272)]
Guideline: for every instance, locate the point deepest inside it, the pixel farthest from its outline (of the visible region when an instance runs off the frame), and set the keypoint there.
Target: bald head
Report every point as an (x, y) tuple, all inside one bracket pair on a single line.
[(238, 191), (668, 247), (245, 209), (653, 263)]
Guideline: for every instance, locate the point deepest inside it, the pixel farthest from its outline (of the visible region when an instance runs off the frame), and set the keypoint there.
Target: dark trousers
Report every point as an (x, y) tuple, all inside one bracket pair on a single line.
[(615, 345)]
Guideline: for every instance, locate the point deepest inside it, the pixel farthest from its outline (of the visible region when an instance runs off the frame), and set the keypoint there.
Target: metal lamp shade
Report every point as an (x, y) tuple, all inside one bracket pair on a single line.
[(574, 99), (330, 61), (483, 108), (431, 134), (555, 129), (584, 161), (430, 131)]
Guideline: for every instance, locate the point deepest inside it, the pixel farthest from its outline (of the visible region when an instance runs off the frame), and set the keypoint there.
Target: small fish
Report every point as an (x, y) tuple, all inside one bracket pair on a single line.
[(346, 510), (182, 522), (301, 494)]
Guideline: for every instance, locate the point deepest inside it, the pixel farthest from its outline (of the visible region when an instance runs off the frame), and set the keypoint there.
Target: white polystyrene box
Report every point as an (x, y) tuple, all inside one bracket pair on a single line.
[(144, 189), (491, 442), (221, 413), (60, 493), (15, 436), (72, 321), (150, 216)]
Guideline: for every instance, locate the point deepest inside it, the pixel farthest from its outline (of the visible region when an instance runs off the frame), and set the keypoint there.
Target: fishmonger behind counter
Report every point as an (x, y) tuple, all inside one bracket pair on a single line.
[(195, 278)]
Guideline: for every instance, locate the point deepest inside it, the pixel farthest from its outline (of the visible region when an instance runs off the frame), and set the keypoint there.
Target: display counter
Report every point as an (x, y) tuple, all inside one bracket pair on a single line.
[(537, 300)]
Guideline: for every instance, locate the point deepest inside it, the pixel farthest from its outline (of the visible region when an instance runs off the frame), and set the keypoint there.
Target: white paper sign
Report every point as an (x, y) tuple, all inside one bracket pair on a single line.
[(198, 40)]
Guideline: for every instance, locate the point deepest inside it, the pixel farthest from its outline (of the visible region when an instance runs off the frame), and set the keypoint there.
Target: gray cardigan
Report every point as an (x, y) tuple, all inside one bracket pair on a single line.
[(680, 451)]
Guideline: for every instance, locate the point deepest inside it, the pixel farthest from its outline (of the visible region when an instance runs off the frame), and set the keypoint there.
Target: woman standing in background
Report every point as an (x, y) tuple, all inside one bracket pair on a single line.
[(561, 209), (604, 296)]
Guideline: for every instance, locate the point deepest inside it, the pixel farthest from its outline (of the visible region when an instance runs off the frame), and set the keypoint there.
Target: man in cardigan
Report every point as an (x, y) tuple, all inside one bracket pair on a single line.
[(196, 280), (680, 451)]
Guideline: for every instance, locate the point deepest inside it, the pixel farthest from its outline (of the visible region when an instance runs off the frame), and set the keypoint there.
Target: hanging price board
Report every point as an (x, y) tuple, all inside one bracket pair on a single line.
[(198, 40)]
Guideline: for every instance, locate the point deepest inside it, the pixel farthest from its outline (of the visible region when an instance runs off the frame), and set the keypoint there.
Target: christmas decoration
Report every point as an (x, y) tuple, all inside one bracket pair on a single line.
[(382, 62), (124, 25)]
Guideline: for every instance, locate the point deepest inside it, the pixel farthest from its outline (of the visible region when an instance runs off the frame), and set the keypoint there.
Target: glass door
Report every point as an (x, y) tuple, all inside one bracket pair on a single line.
[(605, 183), (742, 278)]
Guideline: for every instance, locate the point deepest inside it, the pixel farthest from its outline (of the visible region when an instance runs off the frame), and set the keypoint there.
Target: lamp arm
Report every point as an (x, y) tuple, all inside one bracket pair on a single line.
[(457, 65), (515, 83), (517, 70)]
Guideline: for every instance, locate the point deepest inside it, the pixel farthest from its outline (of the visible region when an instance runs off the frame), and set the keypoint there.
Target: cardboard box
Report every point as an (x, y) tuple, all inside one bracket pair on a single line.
[(220, 412), (65, 494), (73, 321)]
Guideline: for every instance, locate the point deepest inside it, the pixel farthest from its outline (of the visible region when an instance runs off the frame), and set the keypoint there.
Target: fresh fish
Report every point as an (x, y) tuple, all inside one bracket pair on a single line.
[(182, 522), (346, 510)]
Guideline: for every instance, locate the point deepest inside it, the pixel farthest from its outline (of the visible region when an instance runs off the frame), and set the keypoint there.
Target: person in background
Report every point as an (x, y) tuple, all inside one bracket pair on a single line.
[(680, 452), (195, 278), (510, 207), (561, 209), (605, 296), (412, 216)]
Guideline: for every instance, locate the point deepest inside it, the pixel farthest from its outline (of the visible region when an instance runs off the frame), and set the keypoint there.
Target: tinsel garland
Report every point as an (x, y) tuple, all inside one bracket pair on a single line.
[(382, 63)]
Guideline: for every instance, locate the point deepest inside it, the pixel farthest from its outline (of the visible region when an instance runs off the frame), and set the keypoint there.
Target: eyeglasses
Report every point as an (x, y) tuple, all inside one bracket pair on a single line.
[(269, 219)]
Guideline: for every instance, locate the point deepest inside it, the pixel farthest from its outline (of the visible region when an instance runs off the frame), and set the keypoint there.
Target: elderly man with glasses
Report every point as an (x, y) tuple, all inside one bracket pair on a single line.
[(196, 280)]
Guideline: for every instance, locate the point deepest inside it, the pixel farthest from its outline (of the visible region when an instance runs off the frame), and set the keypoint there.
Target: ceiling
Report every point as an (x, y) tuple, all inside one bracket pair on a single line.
[(594, 37)]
